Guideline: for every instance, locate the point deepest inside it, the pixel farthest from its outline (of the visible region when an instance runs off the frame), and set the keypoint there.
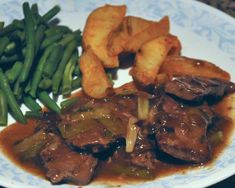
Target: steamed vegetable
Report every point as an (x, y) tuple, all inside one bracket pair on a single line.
[(3, 109), (131, 134), (31, 146), (30, 42), (69, 103), (15, 109), (96, 113), (32, 51), (70, 130), (143, 108), (133, 171)]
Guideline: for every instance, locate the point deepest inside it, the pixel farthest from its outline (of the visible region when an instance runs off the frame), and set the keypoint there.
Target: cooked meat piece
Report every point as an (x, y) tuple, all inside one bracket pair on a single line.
[(100, 126), (88, 135), (48, 121), (64, 165), (145, 159), (191, 88), (94, 140), (143, 154), (180, 131)]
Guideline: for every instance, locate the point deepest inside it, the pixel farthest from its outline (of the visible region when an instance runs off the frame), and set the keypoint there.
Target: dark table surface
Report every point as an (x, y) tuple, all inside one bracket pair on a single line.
[(227, 6)]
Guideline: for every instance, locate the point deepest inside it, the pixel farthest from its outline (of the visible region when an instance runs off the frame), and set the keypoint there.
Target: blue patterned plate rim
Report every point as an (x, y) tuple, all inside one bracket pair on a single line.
[(190, 20)]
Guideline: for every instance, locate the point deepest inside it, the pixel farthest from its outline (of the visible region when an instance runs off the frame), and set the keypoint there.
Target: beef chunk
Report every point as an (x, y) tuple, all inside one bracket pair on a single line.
[(64, 165), (145, 159), (180, 130), (93, 140), (191, 88), (143, 154), (99, 127), (88, 135)]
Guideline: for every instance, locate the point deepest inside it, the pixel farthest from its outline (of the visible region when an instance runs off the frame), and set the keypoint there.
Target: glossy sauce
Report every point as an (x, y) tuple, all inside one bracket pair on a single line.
[(16, 132)]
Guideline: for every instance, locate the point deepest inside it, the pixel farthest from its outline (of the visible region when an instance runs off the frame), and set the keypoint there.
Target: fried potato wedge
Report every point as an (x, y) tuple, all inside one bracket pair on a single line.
[(95, 82), (179, 65), (157, 29), (130, 26), (98, 26), (175, 45), (150, 58)]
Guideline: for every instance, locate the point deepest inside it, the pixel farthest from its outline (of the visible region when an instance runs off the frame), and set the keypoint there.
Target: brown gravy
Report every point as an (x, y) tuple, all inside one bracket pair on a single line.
[(16, 132)]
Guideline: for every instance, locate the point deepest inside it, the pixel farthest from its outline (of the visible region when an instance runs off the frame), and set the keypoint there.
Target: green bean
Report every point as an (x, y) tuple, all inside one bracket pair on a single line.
[(30, 42), (76, 83), (10, 48), (20, 35), (45, 83), (69, 102), (5, 59), (57, 29), (14, 72), (48, 102), (53, 61), (16, 89), (67, 77), (51, 13), (34, 115), (67, 39), (19, 94), (4, 41), (34, 9), (3, 108), (50, 40), (1, 25), (38, 73), (16, 24), (16, 112), (56, 80), (19, 24), (31, 103), (77, 71), (39, 35), (28, 87), (78, 35), (7, 29)]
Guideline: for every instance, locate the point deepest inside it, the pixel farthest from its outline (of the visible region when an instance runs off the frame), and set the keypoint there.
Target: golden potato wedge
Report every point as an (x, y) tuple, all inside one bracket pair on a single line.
[(150, 58), (98, 26), (130, 26), (175, 45), (178, 65), (157, 29), (95, 82)]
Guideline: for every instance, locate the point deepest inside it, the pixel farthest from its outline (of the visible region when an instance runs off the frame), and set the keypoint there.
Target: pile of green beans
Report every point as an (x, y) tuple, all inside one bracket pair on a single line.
[(37, 57)]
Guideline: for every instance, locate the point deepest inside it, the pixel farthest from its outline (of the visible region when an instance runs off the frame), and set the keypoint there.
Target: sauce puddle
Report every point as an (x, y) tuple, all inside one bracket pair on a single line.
[(16, 132)]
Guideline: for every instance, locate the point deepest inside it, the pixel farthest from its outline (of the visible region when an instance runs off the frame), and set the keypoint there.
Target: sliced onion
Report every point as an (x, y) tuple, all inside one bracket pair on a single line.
[(143, 108), (131, 134)]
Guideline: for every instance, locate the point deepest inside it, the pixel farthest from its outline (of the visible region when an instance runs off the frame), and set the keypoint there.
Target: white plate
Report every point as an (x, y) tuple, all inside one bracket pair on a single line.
[(205, 33)]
